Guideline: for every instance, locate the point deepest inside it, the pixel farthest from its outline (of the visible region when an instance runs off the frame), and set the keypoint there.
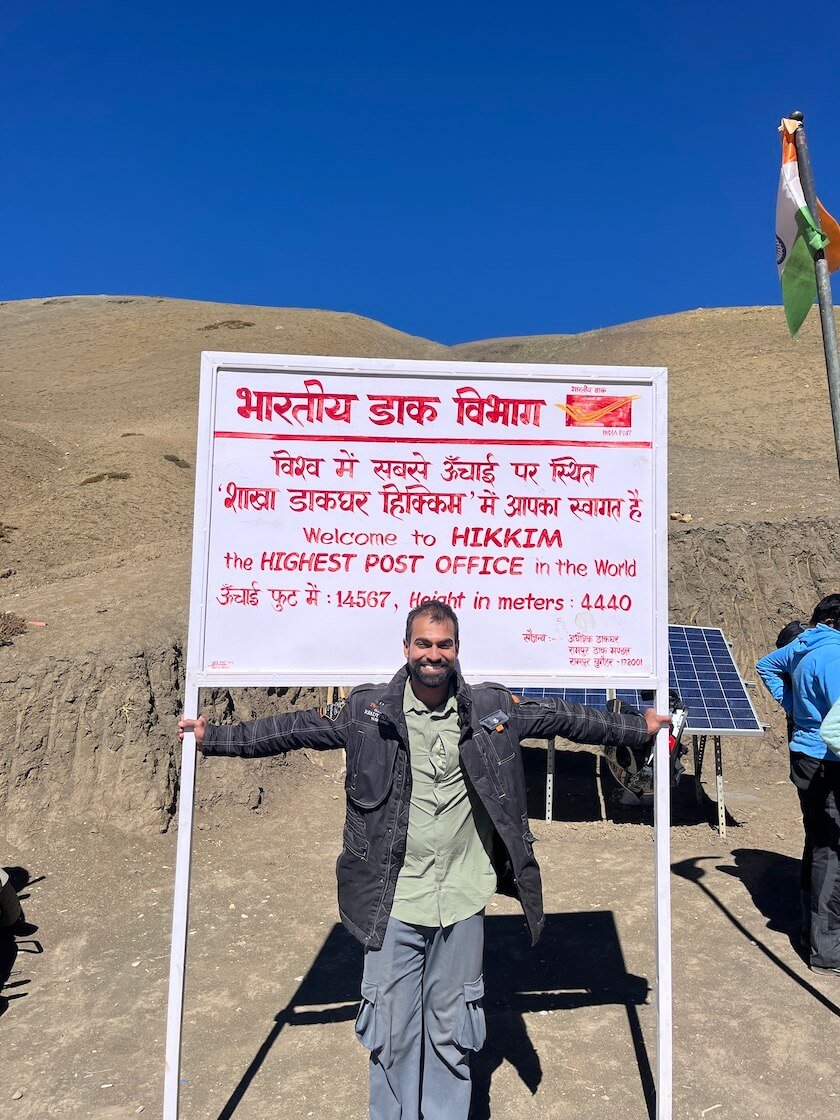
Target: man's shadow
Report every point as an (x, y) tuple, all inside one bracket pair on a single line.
[(578, 962), (16, 938)]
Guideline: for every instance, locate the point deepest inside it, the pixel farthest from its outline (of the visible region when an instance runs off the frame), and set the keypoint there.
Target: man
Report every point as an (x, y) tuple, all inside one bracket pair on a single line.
[(436, 823), (804, 678)]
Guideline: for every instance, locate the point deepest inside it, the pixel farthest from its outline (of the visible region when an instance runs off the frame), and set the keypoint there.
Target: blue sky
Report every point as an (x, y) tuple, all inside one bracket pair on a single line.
[(457, 170)]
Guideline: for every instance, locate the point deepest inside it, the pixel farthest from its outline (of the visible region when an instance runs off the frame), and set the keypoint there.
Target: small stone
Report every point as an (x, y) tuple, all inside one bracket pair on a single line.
[(134, 964), (142, 1108), (107, 1085), (17, 1096)]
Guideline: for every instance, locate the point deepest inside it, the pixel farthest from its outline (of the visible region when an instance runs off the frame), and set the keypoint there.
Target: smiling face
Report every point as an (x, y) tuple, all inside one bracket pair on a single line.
[(431, 655)]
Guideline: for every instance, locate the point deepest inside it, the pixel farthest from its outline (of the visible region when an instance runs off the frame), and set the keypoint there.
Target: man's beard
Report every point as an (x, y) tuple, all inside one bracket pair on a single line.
[(431, 677)]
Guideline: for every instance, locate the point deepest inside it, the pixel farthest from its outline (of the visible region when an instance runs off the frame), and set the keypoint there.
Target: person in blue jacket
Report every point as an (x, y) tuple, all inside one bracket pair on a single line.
[(804, 678)]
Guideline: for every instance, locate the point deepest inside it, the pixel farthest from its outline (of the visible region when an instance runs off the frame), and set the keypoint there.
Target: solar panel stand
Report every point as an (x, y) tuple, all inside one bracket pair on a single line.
[(599, 785), (602, 805), (699, 744), (719, 783), (550, 764), (549, 781)]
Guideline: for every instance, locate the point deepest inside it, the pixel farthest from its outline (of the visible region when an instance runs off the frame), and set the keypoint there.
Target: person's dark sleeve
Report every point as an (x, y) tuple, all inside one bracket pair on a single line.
[(276, 734), (552, 716)]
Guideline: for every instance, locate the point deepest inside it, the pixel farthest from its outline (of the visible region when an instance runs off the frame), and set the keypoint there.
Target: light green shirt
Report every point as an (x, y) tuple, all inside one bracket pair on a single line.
[(447, 874)]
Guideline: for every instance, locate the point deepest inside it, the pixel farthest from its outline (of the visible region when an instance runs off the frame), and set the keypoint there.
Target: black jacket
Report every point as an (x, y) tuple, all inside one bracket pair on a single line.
[(371, 727)]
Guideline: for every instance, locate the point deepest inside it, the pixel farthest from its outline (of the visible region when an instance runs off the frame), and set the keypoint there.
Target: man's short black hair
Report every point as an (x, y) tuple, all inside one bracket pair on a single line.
[(789, 632), (827, 610), (436, 611)]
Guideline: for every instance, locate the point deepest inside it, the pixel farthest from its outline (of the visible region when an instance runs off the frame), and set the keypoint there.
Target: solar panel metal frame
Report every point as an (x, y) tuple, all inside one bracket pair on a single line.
[(698, 656)]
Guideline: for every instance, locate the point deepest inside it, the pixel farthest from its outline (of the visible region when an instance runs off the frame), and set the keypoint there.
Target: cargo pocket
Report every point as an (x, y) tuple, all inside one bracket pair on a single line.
[(472, 1029), (368, 1028)]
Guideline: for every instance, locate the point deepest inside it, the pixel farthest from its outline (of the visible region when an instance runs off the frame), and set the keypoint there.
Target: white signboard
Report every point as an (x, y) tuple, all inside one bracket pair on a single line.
[(335, 494)]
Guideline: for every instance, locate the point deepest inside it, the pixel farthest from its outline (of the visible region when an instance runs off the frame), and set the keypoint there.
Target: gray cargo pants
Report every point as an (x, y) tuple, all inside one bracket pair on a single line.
[(420, 1017)]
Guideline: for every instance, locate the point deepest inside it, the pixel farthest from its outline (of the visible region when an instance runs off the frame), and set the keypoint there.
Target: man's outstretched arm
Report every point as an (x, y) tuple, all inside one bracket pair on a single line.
[(256, 738), (579, 723)]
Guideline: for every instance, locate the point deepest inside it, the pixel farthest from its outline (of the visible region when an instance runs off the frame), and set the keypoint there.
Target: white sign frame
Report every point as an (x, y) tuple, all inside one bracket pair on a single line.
[(655, 675), (443, 375)]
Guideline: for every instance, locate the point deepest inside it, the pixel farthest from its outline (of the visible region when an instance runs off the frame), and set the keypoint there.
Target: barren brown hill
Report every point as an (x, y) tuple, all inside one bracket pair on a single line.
[(98, 426)]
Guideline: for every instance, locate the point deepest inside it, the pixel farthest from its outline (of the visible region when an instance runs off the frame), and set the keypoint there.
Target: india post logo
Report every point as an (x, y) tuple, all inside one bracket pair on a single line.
[(597, 411)]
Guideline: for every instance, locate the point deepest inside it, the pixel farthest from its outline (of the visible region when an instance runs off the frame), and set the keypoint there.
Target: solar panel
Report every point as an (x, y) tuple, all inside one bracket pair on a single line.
[(703, 673)]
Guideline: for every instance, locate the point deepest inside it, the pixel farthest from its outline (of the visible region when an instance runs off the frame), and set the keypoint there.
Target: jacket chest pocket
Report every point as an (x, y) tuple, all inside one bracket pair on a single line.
[(501, 745), (370, 768), (490, 760)]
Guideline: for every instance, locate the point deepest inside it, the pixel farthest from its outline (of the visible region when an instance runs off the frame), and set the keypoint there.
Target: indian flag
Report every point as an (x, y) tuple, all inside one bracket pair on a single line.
[(798, 237)]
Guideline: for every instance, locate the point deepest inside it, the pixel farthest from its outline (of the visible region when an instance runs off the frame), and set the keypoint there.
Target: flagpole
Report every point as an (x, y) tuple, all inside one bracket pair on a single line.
[(829, 327)]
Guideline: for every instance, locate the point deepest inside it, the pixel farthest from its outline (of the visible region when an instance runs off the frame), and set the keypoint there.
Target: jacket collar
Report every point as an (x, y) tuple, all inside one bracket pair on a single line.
[(392, 699)]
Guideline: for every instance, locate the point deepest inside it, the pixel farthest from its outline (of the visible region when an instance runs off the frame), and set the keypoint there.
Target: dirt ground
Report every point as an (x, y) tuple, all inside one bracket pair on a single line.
[(97, 425), (273, 980)]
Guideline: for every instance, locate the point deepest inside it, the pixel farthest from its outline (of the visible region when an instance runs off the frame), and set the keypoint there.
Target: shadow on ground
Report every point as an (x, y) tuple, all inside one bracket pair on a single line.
[(577, 774), (577, 963), (772, 881), (14, 939)]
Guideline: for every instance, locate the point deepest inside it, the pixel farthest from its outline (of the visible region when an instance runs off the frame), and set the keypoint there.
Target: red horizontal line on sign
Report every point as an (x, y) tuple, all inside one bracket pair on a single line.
[(436, 440)]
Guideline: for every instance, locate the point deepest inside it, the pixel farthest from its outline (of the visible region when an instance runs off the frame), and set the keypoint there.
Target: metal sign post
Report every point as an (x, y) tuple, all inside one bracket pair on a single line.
[(180, 917), (662, 795)]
